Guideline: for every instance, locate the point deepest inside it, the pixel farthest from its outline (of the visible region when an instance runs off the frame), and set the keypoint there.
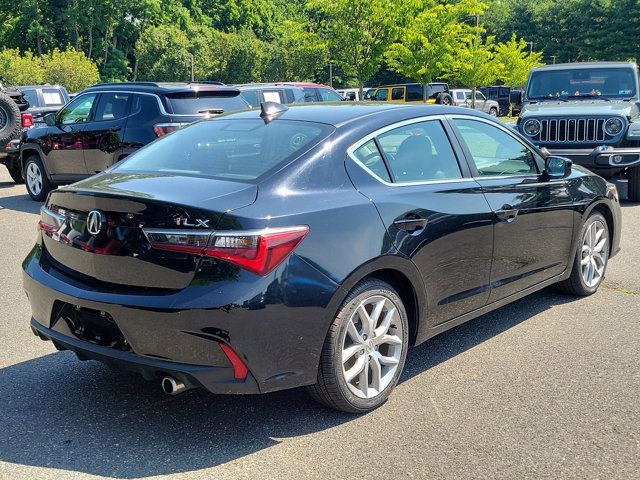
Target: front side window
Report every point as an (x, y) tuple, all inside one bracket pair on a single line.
[(328, 95), (480, 96), (240, 150), (381, 95), (310, 94), (78, 110), (494, 151), (112, 106), (420, 152)]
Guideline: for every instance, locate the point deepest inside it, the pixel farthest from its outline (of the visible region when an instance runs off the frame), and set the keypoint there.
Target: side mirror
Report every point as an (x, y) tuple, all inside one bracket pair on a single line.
[(557, 168), (50, 119)]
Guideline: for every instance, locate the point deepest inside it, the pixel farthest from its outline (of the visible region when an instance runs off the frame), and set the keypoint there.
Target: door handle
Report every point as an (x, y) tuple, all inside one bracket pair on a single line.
[(115, 129), (507, 213), (411, 224)]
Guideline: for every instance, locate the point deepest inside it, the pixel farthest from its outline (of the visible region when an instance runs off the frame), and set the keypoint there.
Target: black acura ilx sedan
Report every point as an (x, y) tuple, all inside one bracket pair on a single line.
[(310, 246)]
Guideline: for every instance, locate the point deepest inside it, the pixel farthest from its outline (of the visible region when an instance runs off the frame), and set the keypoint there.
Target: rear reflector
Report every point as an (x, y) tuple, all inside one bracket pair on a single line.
[(27, 120), (259, 251), (240, 370), (162, 129)]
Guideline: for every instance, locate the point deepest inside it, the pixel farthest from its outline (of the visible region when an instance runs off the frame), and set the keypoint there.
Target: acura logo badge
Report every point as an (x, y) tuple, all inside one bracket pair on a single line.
[(96, 221)]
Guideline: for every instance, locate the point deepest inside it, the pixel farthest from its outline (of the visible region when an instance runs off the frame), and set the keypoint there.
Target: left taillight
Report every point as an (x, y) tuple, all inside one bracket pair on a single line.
[(162, 129), (259, 251), (27, 120), (50, 220)]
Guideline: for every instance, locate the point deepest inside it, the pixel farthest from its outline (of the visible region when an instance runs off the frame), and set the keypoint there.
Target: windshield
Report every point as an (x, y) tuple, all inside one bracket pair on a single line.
[(239, 150), (582, 82)]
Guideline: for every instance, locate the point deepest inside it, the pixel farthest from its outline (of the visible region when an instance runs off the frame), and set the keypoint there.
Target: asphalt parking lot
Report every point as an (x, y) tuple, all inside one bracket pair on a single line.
[(546, 387)]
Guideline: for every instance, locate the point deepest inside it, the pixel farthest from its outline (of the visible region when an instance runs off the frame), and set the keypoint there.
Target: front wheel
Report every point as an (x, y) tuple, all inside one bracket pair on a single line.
[(590, 262), (493, 111), (38, 185), (365, 349)]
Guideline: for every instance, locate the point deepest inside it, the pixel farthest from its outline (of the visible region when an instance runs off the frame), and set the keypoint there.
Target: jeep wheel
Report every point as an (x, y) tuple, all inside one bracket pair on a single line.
[(444, 99), (493, 111), (38, 185), (10, 123), (16, 174), (634, 184)]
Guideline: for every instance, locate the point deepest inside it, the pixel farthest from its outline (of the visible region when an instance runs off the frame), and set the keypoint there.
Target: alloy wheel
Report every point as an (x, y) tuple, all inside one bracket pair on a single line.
[(34, 178), (372, 346), (593, 259)]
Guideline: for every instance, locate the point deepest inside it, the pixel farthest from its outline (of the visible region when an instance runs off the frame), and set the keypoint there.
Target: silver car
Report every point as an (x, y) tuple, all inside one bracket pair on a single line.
[(462, 97)]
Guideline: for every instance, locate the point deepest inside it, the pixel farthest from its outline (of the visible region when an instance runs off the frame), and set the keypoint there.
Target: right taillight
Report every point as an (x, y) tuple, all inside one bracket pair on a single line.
[(259, 251), (162, 129), (27, 120)]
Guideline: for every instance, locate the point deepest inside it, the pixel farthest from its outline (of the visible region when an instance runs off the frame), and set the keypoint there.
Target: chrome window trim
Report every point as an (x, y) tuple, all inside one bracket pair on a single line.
[(355, 146)]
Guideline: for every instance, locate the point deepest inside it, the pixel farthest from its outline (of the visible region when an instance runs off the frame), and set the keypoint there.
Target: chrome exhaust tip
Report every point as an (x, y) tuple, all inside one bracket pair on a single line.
[(171, 386)]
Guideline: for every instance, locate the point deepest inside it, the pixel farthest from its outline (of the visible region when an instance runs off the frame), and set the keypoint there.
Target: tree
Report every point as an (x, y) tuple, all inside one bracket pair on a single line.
[(70, 68), (358, 32), (20, 69), (515, 61), (430, 45), (163, 54), (477, 65)]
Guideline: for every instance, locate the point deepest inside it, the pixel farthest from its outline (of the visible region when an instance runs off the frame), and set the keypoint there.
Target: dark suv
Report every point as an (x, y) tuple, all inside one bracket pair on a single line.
[(106, 122)]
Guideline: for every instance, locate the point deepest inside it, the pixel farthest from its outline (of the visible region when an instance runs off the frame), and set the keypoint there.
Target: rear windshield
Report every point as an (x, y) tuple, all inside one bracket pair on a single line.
[(53, 97), (193, 103), (241, 150)]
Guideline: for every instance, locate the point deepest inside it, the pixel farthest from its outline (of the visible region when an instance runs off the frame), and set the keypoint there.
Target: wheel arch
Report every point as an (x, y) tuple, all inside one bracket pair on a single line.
[(403, 276), (27, 150), (605, 210)]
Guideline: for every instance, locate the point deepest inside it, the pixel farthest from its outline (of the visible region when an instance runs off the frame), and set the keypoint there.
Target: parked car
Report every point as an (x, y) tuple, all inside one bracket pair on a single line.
[(189, 262), (44, 99), (316, 92), (105, 123), (256, 93), (463, 97), (13, 118), (353, 94), (508, 98), (588, 112), (413, 92)]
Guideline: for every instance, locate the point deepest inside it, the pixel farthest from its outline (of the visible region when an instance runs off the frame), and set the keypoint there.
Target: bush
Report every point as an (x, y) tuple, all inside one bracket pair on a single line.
[(70, 68), (21, 69)]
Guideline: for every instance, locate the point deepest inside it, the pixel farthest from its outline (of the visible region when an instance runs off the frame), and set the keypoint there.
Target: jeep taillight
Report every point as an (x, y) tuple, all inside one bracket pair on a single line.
[(27, 120)]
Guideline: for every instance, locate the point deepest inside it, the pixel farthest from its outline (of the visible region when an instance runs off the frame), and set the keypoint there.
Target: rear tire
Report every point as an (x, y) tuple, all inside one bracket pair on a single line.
[(590, 262), (36, 180), (493, 111), (361, 361), (16, 174), (444, 99), (634, 184)]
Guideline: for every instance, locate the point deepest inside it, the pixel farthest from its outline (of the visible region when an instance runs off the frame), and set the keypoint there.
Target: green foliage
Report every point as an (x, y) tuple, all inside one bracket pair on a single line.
[(358, 32), (19, 69), (70, 68), (432, 43), (515, 61), (477, 65)]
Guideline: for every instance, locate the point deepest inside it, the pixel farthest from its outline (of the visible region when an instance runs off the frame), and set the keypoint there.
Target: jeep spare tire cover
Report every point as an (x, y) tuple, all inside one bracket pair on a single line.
[(10, 123), (444, 99)]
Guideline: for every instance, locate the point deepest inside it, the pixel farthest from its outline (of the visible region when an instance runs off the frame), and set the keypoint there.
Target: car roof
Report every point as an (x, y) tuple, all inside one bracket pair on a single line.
[(246, 86), (339, 114), (303, 84), (567, 66), (19, 87), (163, 87)]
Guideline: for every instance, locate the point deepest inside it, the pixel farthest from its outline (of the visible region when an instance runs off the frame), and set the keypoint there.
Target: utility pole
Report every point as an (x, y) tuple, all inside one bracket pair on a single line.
[(554, 58), (530, 47), (331, 75), (192, 78)]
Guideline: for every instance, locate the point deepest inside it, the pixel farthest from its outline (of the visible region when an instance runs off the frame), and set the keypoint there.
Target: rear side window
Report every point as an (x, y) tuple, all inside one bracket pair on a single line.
[(239, 150), (193, 103), (397, 94), (414, 93), (310, 94), (251, 96), (369, 156), (31, 96), (112, 106), (274, 96), (460, 96), (381, 95)]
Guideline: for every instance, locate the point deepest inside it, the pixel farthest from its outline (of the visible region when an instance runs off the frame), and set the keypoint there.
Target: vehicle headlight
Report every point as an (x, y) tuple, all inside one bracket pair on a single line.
[(613, 126), (531, 127)]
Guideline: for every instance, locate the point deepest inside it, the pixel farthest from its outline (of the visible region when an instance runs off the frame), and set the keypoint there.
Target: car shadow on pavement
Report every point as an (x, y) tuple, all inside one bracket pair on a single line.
[(20, 203), (58, 412)]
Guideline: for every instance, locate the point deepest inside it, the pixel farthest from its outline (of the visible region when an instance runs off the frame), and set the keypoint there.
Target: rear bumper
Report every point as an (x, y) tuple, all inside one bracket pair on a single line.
[(9, 151), (605, 157), (275, 326), (214, 379)]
